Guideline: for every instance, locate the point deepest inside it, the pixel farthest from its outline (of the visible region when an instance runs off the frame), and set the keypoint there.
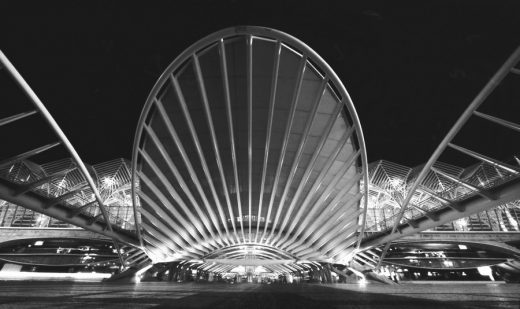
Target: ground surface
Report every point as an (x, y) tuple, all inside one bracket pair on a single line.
[(188, 295)]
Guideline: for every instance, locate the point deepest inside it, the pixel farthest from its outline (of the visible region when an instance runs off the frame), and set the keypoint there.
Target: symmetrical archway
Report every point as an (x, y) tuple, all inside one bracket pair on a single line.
[(249, 140)]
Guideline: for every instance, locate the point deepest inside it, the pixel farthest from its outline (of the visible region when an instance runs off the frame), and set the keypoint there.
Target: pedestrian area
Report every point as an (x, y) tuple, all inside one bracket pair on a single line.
[(221, 295)]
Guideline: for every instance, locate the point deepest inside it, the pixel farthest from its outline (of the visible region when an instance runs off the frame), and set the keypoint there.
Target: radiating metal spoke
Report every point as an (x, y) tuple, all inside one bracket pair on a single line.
[(328, 236), (27, 154), (211, 127), (177, 198), (161, 246), (186, 159), (478, 156), (272, 101), (249, 127), (180, 180), (287, 135), (318, 180), (315, 230), (229, 114), (502, 122), (191, 127), (311, 168), (184, 241), (16, 117), (344, 239), (158, 228), (296, 161), (333, 211), (183, 225), (325, 217)]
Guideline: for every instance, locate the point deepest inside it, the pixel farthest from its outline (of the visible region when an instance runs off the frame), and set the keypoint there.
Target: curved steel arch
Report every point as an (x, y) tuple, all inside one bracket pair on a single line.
[(226, 251), (249, 133)]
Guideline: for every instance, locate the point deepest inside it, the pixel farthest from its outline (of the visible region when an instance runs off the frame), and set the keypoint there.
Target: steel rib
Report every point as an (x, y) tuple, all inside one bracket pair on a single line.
[(229, 114), (211, 127), (180, 180), (250, 125), (319, 179), (274, 85), (183, 225), (201, 156), (283, 151), (296, 161), (189, 166), (175, 195)]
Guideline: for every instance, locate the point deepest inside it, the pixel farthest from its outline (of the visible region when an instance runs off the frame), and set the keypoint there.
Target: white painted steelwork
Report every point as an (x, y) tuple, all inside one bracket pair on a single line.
[(249, 141)]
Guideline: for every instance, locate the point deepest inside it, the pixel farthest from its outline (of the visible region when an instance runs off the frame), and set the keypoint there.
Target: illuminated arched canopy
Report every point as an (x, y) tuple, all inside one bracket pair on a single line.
[(249, 140)]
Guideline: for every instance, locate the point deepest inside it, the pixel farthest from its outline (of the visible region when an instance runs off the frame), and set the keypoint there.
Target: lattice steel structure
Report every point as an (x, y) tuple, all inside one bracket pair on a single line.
[(490, 184), (249, 152), (61, 179), (249, 145), (389, 182), (55, 201)]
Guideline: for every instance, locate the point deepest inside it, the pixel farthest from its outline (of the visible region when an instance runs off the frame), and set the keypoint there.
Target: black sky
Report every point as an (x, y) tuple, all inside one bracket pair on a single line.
[(410, 67)]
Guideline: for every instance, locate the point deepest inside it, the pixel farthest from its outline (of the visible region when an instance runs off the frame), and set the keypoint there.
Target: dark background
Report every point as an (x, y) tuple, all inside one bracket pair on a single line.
[(411, 68)]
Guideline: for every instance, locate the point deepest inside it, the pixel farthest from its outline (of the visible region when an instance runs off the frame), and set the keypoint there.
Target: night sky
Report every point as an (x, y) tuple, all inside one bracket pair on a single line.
[(411, 68)]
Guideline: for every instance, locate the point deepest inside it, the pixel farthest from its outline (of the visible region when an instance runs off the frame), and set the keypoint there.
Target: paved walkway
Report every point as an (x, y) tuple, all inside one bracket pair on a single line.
[(219, 295)]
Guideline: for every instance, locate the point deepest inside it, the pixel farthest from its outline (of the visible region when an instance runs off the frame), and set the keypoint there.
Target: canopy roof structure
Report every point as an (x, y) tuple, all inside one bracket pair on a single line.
[(249, 152), (249, 146), (62, 180)]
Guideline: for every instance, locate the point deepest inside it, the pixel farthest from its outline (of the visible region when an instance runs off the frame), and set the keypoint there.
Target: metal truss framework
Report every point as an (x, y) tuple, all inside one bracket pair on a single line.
[(49, 207), (41, 110), (62, 183), (388, 182), (22, 193), (249, 141), (249, 152), (472, 193)]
